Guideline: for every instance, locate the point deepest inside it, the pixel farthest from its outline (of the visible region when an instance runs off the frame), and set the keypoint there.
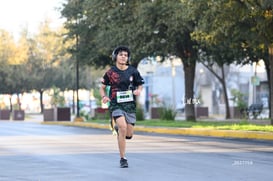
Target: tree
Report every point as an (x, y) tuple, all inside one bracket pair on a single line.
[(247, 23), (220, 43), (6, 44), (44, 56), (13, 78), (260, 12), (149, 28)]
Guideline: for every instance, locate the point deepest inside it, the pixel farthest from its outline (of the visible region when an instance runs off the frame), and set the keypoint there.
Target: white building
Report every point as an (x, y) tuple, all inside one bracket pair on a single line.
[(165, 83)]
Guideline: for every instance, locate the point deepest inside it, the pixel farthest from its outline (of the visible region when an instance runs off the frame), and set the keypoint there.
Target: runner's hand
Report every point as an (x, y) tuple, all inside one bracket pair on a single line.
[(136, 92), (105, 99)]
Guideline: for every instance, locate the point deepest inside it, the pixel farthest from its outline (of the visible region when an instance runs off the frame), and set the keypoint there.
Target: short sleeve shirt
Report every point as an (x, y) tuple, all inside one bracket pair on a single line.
[(122, 80)]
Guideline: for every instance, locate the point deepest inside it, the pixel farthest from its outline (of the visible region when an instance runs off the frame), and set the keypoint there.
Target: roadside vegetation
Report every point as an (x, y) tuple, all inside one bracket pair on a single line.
[(167, 119), (223, 125)]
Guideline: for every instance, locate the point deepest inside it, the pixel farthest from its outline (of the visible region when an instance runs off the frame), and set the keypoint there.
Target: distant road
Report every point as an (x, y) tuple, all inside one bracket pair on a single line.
[(31, 151)]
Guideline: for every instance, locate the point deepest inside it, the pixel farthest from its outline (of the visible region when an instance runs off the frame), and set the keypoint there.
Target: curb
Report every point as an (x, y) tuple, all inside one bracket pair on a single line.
[(179, 131)]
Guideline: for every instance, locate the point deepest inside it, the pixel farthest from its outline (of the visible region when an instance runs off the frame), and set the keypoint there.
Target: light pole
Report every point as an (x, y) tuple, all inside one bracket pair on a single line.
[(149, 92), (77, 118), (77, 78), (173, 83)]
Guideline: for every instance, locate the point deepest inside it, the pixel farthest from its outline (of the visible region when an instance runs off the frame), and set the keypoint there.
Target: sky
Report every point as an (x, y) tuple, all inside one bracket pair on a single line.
[(18, 14)]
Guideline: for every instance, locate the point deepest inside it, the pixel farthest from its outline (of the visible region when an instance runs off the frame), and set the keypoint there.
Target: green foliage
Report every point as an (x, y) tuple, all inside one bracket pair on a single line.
[(139, 113), (57, 98), (167, 113), (85, 115), (230, 31), (147, 27), (221, 125), (238, 98)]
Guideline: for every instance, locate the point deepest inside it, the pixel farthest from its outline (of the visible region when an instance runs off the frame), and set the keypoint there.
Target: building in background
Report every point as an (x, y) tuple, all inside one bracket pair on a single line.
[(164, 85)]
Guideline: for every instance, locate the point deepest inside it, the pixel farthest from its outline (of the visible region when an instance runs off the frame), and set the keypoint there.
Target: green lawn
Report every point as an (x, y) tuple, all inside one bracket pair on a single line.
[(223, 125)]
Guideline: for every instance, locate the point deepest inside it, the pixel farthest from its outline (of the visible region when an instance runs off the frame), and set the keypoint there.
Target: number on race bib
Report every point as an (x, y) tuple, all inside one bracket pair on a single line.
[(125, 96)]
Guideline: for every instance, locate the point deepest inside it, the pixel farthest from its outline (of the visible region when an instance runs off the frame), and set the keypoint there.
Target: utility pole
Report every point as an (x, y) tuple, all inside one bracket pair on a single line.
[(77, 118)]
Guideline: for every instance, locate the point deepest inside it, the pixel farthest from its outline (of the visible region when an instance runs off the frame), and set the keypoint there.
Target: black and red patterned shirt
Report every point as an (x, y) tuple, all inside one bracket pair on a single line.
[(122, 80)]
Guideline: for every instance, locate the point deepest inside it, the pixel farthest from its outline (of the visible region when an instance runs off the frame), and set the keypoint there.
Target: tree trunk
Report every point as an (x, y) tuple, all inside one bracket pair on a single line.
[(73, 102), (189, 71), (223, 82), (270, 82), (267, 63), (41, 100), (10, 103), (18, 101)]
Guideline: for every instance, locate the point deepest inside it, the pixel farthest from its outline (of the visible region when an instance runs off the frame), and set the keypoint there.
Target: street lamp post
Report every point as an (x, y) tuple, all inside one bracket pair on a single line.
[(149, 93), (173, 83), (77, 118), (77, 78)]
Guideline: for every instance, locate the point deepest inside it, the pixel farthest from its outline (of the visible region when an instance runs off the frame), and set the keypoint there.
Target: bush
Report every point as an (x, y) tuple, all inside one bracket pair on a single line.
[(239, 99), (85, 115), (139, 114), (167, 113)]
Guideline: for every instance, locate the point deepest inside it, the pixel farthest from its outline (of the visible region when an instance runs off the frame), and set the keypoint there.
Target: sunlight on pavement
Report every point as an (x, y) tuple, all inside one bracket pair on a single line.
[(90, 144)]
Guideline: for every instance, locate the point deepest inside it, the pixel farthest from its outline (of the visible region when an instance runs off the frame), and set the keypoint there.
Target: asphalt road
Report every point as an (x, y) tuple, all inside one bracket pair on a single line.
[(34, 152)]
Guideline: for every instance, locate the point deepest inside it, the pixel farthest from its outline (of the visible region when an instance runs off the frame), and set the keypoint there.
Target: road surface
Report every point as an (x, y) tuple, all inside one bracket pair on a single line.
[(31, 151)]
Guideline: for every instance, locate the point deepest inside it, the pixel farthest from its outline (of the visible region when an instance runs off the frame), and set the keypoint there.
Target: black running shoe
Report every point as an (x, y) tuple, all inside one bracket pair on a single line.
[(123, 163)]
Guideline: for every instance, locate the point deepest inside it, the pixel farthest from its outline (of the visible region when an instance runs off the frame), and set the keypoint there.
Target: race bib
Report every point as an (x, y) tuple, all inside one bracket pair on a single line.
[(125, 96)]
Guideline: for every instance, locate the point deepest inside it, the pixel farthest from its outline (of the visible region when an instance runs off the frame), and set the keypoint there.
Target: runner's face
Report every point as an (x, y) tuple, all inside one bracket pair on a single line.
[(122, 57)]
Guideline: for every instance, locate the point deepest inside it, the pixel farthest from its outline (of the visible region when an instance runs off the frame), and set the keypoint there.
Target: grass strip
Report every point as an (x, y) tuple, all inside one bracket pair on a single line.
[(217, 125)]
